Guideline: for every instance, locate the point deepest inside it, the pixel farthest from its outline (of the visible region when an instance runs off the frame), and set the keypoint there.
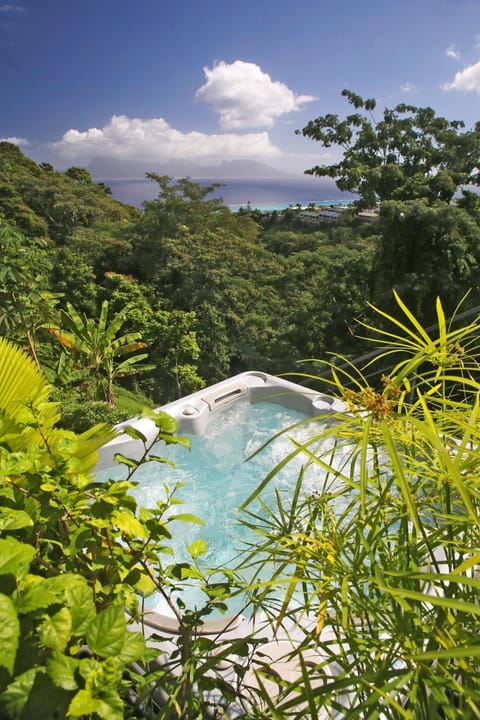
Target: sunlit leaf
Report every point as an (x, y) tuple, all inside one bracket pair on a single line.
[(129, 525), (55, 630), (61, 669), (106, 632), (9, 633), (15, 557), (197, 548)]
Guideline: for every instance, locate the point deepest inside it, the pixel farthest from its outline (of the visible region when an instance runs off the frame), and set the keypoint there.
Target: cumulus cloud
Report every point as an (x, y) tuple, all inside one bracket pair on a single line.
[(408, 87), (246, 97), (453, 53), (466, 80), (154, 139), (16, 141)]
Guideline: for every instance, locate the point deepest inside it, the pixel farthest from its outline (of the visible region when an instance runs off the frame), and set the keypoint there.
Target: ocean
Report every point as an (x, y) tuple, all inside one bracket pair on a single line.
[(261, 193)]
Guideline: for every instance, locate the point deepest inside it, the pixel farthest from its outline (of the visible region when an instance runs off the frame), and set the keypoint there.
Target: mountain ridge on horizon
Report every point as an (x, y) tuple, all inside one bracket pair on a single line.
[(103, 168)]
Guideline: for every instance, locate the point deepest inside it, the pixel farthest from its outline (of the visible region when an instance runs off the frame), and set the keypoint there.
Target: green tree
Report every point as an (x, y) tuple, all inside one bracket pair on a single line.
[(180, 204), (326, 293), (179, 352), (425, 251), (170, 334), (74, 278), (98, 348), (25, 300), (202, 258), (410, 153), (45, 203), (80, 175)]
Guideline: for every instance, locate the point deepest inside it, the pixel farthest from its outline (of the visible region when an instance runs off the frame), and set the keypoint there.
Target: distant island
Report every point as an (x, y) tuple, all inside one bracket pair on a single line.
[(106, 168)]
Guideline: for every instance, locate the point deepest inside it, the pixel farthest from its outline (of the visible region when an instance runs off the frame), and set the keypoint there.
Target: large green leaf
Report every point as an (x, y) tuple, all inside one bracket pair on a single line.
[(197, 548), (129, 525), (106, 632), (35, 593), (81, 606), (83, 705), (9, 633), (15, 557), (16, 695), (11, 519), (133, 647), (61, 669), (55, 631)]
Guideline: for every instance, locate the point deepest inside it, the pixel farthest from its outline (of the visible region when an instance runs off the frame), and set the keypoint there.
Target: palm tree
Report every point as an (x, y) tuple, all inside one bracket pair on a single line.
[(98, 348)]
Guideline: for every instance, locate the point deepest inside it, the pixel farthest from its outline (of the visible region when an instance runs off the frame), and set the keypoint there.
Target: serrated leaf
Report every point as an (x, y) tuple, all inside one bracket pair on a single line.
[(61, 583), (61, 669), (83, 704), (119, 488), (9, 633), (82, 608), (179, 571), (15, 557), (55, 631), (46, 700), (197, 548), (15, 697), (11, 519), (7, 492), (110, 706), (48, 487), (106, 632), (129, 525), (145, 585), (164, 422), (133, 648), (34, 594)]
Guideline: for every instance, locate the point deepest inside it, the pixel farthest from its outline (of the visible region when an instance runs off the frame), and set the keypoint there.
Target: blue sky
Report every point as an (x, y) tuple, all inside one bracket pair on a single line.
[(214, 80)]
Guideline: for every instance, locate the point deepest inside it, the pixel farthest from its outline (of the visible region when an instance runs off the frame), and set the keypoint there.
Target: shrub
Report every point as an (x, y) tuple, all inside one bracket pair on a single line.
[(383, 555)]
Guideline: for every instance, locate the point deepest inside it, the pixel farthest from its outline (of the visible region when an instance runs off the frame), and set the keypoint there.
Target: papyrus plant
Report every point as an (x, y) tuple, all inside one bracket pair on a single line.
[(380, 561)]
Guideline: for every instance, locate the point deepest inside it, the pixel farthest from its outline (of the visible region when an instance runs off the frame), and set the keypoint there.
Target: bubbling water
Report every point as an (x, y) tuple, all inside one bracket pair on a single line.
[(217, 479)]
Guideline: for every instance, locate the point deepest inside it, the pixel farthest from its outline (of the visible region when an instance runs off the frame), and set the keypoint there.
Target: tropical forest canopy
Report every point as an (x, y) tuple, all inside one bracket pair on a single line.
[(109, 299)]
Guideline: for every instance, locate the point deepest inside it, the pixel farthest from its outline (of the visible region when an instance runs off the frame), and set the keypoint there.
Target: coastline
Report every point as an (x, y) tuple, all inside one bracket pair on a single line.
[(293, 205), (264, 194)]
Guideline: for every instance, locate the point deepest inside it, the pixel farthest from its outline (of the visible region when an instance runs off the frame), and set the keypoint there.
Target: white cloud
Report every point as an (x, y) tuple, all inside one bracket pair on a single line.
[(466, 80), (408, 87), (154, 139), (12, 8), (246, 97), (452, 52), (16, 141)]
